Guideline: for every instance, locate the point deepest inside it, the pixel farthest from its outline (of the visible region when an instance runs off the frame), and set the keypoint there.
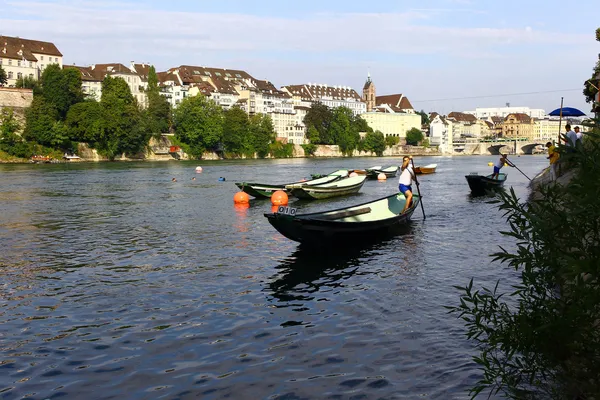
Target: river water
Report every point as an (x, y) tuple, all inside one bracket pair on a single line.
[(116, 282)]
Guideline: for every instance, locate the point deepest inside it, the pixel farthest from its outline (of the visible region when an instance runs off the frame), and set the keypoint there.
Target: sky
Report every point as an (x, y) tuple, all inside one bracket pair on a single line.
[(444, 55)]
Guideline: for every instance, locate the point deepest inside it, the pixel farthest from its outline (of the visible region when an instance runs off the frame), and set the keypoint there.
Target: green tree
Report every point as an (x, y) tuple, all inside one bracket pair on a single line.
[(262, 134), (157, 116), (3, 77), (319, 116), (592, 85), (360, 125), (10, 141), (121, 121), (85, 122), (235, 132), (424, 118), (541, 339), (391, 140), (27, 83), (375, 142), (340, 130), (313, 135), (40, 119), (61, 88), (414, 136), (198, 124)]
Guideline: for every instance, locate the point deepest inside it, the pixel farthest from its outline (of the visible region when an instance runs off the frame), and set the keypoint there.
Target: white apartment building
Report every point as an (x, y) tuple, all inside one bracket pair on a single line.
[(392, 124), (22, 58), (484, 113), (331, 96), (441, 134)]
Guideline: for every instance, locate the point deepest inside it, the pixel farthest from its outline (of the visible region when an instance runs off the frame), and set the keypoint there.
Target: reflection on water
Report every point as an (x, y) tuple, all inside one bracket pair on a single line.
[(115, 280)]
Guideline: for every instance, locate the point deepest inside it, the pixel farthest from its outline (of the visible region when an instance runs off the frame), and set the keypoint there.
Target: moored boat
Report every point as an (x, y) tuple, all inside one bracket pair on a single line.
[(364, 221), (426, 169), (264, 190), (389, 172), (480, 184), (340, 187)]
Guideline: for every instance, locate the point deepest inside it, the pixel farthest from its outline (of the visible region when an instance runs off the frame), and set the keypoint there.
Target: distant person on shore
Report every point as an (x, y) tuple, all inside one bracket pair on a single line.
[(570, 137), (405, 182), (498, 166), (578, 134), (553, 156)]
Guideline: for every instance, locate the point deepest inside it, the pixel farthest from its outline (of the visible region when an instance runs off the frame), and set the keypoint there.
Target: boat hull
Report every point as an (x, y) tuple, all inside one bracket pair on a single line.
[(481, 185), (312, 231), (389, 173), (261, 190), (424, 170), (318, 192)]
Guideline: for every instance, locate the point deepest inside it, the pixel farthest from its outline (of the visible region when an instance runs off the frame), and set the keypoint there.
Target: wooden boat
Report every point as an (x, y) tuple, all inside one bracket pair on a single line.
[(262, 190), (389, 172), (480, 184), (427, 169), (360, 222), (40, 159), (341, 187)]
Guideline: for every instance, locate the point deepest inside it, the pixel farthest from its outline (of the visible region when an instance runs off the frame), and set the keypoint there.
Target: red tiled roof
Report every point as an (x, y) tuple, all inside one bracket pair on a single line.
[(10, 47), (397, 102), (87, 74), (462, 117), (520, 117), (317, 91), (142, 70)]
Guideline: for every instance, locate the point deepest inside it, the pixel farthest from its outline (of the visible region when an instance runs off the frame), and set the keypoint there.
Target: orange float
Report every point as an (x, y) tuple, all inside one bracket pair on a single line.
[(241, 198), (381, 177), (279, 198)]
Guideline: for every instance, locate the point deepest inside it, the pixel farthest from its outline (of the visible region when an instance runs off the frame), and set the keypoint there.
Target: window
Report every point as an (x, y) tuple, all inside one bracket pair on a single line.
[(55, 59), (9, 62), (0, 61), (10, 75), (42, 58), (19, 76), (30, 64), (18, 63)]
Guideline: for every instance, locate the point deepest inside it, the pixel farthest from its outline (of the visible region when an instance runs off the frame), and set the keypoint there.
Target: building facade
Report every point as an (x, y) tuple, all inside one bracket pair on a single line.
[(441, 133), (518, 126), (369, 94), (22, 58), (331, 96), (392, 124), (503, 112)]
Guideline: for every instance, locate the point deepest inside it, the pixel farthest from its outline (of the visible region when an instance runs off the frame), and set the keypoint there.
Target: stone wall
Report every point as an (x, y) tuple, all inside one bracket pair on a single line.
[(18, 99)]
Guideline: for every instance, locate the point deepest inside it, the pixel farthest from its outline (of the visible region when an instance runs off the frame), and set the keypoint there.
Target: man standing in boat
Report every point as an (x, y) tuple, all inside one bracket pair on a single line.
[(498, 165), (404, 183)]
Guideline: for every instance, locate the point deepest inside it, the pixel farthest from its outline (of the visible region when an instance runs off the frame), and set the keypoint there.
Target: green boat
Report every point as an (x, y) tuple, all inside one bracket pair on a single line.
[(389, 172), (263, 190), (341, 187), (354, 224)]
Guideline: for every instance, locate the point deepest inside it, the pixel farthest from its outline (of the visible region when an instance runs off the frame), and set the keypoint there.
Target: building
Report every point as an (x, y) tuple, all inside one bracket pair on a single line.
[(484, 113), (22, 58), (369, 94), (468, 126), (518, 126), (392, 124), (441, 133), (93, 76), (331, 96)]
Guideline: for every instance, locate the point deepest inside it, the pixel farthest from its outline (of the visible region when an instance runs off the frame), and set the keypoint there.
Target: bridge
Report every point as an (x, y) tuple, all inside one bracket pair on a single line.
[(482, 147)]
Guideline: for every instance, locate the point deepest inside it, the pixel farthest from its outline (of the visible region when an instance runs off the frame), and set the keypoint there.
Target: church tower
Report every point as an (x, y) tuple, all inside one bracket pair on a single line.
[(369, 93)]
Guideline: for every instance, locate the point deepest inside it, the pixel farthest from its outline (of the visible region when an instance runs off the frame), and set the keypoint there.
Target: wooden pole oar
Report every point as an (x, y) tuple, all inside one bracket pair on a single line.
[(418, 189), (514, 166)]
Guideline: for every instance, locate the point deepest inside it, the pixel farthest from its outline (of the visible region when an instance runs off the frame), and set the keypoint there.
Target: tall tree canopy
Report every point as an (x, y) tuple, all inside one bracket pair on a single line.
[(198, 124), (157, 116)]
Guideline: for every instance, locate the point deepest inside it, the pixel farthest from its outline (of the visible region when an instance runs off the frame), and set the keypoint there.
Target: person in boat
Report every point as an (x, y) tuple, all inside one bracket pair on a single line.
[(405, 182), (498, 166)]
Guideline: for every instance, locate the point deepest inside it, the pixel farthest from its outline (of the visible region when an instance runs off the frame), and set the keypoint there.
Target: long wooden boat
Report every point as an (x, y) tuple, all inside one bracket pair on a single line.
[(264, 190), (426, 169), (341, 187), (480, 184), (366, 221), (389, 172)]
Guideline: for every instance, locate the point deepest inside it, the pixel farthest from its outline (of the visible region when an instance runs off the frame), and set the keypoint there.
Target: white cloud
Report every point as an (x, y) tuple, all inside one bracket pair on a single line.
[(333, 47)]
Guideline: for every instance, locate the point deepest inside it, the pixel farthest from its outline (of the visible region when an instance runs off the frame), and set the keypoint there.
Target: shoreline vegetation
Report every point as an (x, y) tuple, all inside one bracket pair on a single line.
[(539, 338), (63, 120)]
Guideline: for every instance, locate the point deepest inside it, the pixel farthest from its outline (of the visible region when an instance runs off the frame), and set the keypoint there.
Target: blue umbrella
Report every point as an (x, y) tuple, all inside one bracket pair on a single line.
[(567, 112)]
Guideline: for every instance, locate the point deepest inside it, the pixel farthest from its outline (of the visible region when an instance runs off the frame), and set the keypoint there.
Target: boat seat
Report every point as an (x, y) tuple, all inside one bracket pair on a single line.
[(344, 214)]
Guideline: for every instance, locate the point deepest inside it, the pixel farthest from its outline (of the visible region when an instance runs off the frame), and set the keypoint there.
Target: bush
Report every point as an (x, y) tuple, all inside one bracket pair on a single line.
[(391, 140), (542, 340), (414, 136), (309, 149), (280, 150)]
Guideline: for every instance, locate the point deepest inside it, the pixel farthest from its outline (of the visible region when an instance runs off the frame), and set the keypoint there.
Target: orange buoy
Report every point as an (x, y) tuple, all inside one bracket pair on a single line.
[(241, 198), (241, 206), (279, 198), (381, 177), (353, 174), (274, 209)]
